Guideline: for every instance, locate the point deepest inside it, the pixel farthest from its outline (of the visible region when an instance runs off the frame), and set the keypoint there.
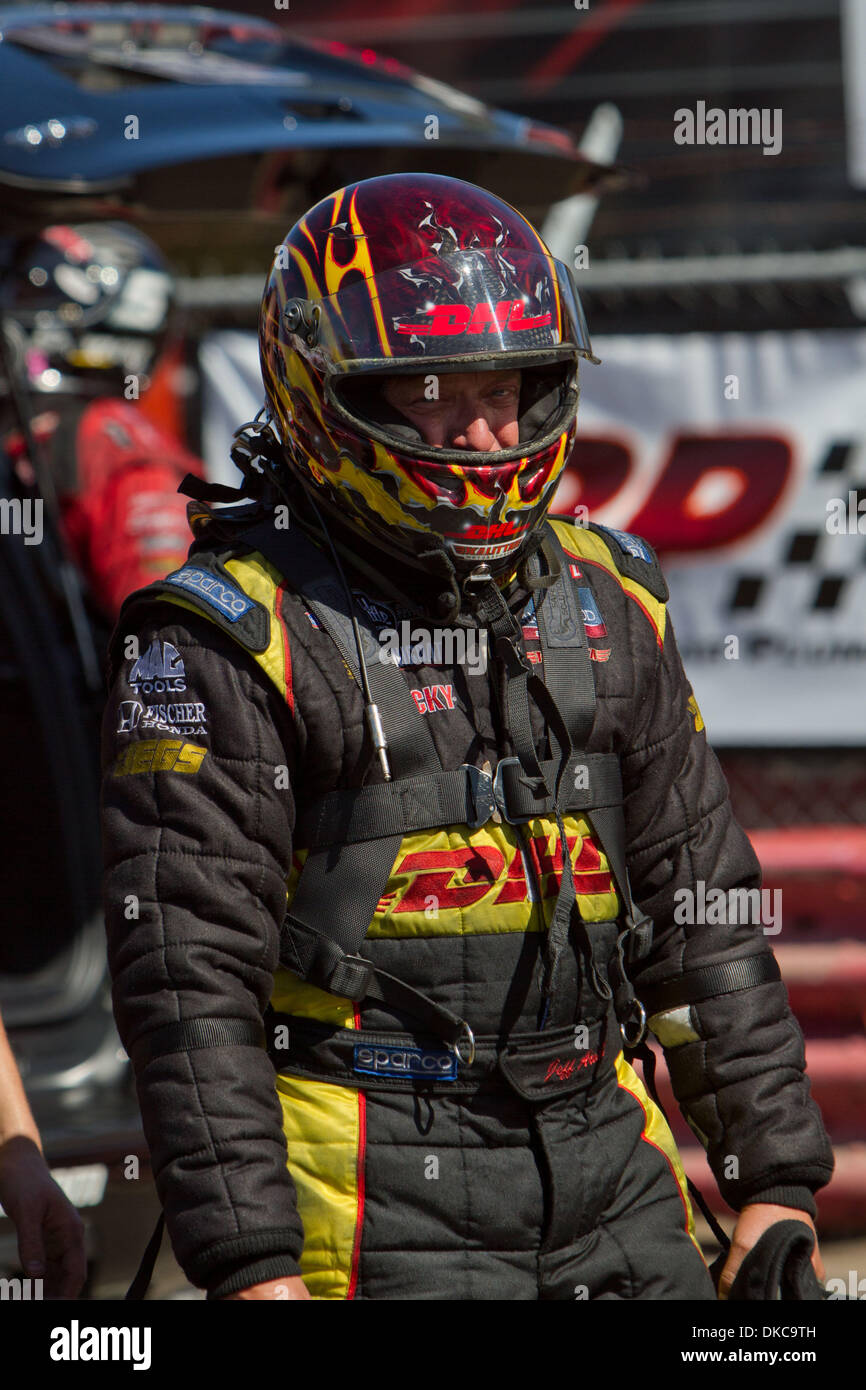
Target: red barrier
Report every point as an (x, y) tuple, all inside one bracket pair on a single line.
[(821, 871), (841, 1204)]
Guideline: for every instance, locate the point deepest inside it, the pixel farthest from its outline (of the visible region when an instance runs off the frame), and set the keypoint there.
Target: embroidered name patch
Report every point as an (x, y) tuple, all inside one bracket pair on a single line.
[(433, 697)]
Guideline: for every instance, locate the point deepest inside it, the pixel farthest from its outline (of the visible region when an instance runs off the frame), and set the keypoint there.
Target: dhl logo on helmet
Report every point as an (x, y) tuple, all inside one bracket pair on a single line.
[(451, 319)]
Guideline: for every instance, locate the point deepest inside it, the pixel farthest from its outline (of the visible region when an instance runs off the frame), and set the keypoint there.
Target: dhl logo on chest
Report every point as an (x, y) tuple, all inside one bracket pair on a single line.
[(489, 880)]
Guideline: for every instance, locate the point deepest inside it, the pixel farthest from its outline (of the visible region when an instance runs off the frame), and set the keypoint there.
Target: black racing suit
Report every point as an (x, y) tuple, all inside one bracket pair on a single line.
[(500, 1187)]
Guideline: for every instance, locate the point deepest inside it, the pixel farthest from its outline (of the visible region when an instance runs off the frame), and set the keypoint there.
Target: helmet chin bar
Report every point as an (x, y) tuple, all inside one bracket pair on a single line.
[(492, 563), (432, 547)]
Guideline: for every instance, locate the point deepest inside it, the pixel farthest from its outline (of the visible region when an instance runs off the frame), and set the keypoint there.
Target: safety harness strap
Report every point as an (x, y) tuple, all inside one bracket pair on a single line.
[(520, 680), (567, 666), (311, 573), (343, 889), (141, 1283), (570, 685), (368, 824), (466, 796), (319, 958), (567, 697)]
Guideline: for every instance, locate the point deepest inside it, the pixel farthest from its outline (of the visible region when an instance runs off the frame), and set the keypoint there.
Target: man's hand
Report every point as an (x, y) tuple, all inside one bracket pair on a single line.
[(753, 1222), (294, 1288), (50, 1231)]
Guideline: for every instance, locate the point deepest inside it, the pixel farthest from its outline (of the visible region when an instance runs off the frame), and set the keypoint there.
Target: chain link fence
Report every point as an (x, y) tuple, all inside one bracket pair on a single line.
[(801, 786)]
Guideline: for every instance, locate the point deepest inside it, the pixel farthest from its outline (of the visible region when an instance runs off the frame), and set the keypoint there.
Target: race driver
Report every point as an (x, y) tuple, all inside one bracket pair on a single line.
[(381, 928)]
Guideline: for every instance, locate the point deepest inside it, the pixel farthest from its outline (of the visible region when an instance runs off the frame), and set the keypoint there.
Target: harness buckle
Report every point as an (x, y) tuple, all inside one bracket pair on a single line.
[(640, 935), (501, 795), (481, 798), (351, 979), (467, 1039), (638, 1035)]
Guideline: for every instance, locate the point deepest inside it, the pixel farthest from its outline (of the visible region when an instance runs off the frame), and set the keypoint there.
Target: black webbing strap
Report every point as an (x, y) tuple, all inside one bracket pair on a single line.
[(341, 882), (567, 697), (607, 820), (567, 665), (569, 678), (316, 956), (452, 798), (203, 491), (570, 669), (140, 1284), (520, 682), (648, 1061), (710, 981), (311, 574), (195, 1033), (493, 613)]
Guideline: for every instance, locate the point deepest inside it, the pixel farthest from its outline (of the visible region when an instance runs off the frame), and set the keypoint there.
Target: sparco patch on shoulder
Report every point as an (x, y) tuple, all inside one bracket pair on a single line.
[(632, 545), (221, 595)]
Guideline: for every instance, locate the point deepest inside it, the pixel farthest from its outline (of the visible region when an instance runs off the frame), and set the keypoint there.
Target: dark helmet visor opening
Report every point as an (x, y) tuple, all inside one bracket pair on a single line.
[(546, 406)]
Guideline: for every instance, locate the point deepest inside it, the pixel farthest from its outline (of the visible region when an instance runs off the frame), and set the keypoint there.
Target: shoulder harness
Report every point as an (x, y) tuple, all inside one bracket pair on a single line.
[(337, 893)]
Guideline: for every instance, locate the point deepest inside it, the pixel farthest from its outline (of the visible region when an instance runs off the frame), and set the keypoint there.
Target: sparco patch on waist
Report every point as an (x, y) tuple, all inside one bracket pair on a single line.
[(429, 1064)]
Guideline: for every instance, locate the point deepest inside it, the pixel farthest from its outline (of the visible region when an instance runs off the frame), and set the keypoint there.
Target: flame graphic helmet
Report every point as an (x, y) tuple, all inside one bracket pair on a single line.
[(421, 275)]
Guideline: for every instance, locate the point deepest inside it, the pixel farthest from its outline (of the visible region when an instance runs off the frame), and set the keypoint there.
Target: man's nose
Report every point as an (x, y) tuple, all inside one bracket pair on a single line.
[(474, 433)]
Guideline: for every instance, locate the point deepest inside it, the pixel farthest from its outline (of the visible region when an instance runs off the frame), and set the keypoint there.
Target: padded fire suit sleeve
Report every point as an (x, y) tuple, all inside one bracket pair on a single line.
[(736, 1060), (197, 846)]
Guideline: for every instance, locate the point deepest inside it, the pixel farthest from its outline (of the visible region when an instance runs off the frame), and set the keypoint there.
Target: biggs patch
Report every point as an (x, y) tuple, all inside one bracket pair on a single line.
[(159, 755), (429, 1064)]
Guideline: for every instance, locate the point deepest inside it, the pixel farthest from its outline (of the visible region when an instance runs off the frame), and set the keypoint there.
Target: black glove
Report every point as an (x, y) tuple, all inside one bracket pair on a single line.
[(778, 1266)]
